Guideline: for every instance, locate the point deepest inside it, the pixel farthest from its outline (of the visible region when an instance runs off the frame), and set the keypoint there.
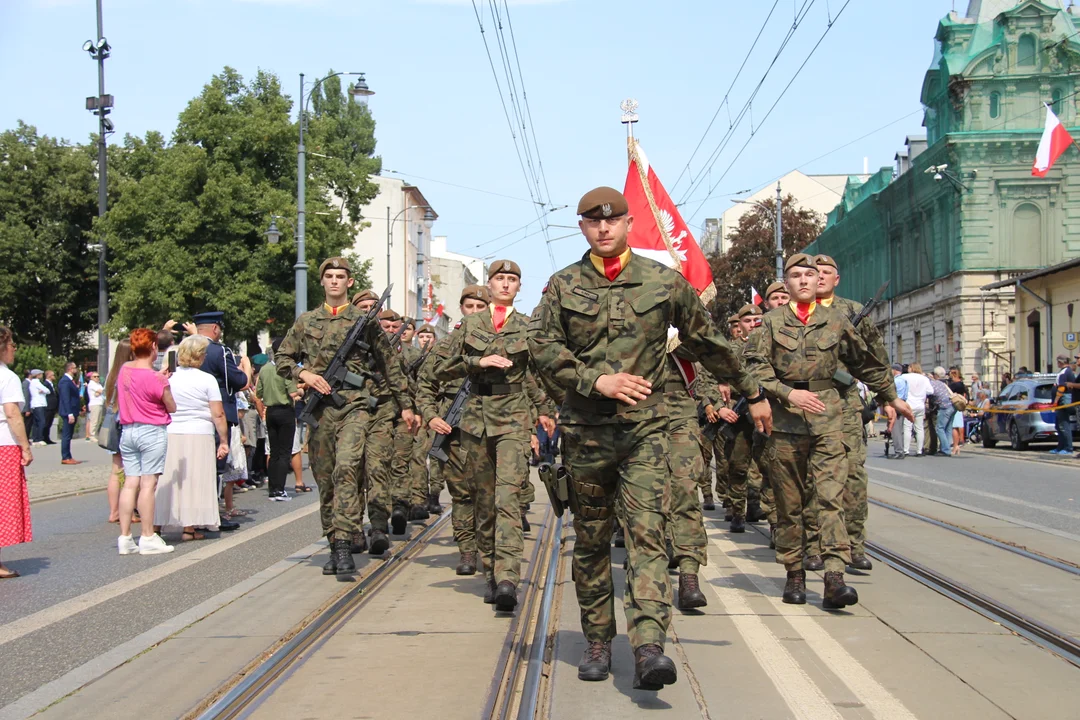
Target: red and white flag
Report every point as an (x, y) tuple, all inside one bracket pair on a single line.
[(755, 296), (1055, 141), (659, 231)]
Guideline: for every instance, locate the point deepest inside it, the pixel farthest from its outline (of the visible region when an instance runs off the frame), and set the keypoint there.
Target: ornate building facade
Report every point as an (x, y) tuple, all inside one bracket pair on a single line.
[(963, 210)]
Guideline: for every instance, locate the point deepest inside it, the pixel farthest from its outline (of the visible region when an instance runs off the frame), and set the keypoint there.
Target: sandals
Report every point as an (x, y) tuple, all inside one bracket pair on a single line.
[(189, 536), (235, 513), (9, 575), (302, 488)]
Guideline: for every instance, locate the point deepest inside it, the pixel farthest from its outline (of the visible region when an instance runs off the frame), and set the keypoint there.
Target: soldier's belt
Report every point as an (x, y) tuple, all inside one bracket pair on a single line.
[(811, 385), (609, 407), (489, 389)]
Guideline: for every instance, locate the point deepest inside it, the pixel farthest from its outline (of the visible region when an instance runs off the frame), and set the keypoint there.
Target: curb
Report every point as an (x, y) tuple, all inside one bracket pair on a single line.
[(70, 493)]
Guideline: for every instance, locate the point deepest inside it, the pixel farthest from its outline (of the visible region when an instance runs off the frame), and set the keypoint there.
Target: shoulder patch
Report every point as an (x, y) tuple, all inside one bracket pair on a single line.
[(586, 294)]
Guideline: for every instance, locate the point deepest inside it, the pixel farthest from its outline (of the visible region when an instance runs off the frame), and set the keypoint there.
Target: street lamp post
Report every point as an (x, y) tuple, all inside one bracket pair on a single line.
[(360, 93), (100, 106), (429, 221), (777, 229)]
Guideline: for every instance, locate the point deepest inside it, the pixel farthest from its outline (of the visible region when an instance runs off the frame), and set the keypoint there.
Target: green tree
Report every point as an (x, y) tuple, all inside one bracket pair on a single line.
[(751, 258), (48, 201), (186, 233), (30, 357)]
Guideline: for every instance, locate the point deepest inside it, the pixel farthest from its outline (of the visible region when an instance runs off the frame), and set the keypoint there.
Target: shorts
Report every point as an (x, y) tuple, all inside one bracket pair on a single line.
[(142, 448), (298, 438)]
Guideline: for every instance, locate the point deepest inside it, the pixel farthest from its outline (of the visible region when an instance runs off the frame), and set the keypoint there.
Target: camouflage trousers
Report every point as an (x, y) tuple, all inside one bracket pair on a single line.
[(806, 468), (418, 468), (855, 485), (627, 462), (723, 469), (742, 471), (400, 475), (457, 473), (498, 465), (377, 463), (685, 525), (335, 450), (811, 533), (528, 490), (704, 481)]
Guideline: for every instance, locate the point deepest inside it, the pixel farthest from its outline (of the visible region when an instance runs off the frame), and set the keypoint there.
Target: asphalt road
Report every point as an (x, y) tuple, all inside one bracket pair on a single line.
[(1003, 483)]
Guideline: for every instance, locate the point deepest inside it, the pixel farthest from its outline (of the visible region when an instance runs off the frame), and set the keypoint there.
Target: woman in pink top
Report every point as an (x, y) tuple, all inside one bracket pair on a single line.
[(145, 403)]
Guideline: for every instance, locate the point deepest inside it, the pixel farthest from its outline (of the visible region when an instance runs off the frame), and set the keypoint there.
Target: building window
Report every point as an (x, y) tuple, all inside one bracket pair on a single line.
[(995, 105), (1025, 51), (918, 347), (1055, 102), (1027, 238)]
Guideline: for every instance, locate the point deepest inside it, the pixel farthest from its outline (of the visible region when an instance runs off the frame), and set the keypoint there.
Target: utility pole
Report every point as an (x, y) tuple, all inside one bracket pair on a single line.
[(100, 106), (301, 265), (779, 236)]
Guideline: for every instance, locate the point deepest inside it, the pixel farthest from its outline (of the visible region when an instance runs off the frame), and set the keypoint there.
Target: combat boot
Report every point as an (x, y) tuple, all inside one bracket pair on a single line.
[(418, 513), (708, 503), (596, 662), (738, 524), (398, 520), (672, 560), (772, 536), (753, 512), (728, 515), (619, 538), (358, 543), (795, 589), (434, 506), (525, 526), (330, 568), (343, 558), (814, 563), (838, 595), (690, 595), (860, 562), (506, 596), (466, 564), (489, 591), (379, 542), (652, 668)]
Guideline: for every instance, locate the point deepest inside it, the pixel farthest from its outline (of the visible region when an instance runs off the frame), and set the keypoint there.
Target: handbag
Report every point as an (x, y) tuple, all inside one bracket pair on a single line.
[(958, 401), (108, 436)]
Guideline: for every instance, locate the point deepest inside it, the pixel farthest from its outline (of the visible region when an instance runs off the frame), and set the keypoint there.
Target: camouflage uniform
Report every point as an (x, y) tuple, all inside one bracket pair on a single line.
[(855, 486), (785, 354), (687, 467), (379, 457), (401, 474), (433, 398), (336, 447), (495, 428), (586, 326)]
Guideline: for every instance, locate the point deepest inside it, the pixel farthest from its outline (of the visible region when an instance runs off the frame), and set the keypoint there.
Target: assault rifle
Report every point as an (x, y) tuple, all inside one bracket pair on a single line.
[(337, 373), (451, 418), (395, 339), (415, 365)]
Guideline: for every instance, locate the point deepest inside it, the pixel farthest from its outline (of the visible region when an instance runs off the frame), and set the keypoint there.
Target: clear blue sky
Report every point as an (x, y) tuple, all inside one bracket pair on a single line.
[(438, 111)]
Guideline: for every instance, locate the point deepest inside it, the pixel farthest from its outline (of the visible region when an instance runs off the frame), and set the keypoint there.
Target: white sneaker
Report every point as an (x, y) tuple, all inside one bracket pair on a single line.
[(154, 545), (127, 545)]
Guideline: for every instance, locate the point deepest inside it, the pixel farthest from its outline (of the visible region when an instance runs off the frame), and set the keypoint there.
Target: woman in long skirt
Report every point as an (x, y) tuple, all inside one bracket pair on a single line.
[(15, 455)]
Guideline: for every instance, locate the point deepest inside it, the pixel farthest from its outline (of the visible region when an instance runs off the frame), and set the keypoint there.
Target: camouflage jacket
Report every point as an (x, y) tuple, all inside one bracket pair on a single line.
[(587, 326), (316, 336), (870, 335), (488, 410), (680, 400), (785, 351), (407, 354), (432, 395)]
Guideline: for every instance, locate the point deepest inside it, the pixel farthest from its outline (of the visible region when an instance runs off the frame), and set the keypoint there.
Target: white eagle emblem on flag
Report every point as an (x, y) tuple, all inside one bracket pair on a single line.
[(669, 228)]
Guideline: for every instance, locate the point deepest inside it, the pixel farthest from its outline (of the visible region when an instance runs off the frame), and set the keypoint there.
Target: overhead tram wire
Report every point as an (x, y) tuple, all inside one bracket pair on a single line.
[(800, 16), (462, 187), (726, 96), (771, 108)]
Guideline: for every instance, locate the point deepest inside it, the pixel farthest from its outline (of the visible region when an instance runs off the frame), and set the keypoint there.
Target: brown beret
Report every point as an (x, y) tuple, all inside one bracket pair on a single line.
[(775, 287), (334, 263), (475, 292), (602, 202), (800, 260), (825, 260), (504, 266), (390, 315), (733, 319), (425, 328), (364, 295), (748, 309)]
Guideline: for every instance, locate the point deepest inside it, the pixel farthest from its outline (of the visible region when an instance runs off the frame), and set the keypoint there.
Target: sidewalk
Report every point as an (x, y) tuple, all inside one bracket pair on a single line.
[(46, 478)]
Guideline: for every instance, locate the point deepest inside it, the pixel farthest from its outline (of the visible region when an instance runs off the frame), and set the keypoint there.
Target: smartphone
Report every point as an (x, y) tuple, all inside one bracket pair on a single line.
[(172, 361)]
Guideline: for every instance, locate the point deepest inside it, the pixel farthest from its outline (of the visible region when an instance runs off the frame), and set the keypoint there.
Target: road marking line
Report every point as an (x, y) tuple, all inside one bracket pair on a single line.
[(63, 610), (874, 696), (801, 694), (981, 493)]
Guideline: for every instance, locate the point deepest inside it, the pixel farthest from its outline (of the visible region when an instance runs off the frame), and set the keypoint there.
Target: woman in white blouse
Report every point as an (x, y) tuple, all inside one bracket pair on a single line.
[(186, 495), (15, 455)]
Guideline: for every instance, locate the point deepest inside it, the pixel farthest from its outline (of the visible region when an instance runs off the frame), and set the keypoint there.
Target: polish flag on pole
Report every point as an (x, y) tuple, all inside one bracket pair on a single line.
[(755, 296), (1055, 141)]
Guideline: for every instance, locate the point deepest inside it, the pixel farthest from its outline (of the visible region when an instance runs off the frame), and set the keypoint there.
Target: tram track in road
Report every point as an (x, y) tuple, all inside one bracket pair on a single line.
[(242, 695), (519, 680)]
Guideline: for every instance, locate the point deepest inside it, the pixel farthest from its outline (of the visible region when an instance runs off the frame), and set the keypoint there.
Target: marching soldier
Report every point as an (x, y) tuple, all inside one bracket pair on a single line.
[(392, 323), (600, 334), (492, 348), (425, 486), (337, 445), (433, 399), (776, 295), (855, 502), (795, 356)]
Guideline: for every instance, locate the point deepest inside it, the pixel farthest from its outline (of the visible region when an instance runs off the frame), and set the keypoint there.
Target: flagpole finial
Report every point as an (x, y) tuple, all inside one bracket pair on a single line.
[(629, 108)]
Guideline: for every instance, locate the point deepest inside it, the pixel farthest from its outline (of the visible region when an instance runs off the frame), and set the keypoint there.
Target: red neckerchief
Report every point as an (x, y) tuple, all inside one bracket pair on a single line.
[(803, 311), (498, 317)]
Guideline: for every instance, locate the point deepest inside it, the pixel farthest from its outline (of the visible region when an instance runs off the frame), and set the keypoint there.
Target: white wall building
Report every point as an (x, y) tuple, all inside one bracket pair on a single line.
[(451, 272)]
